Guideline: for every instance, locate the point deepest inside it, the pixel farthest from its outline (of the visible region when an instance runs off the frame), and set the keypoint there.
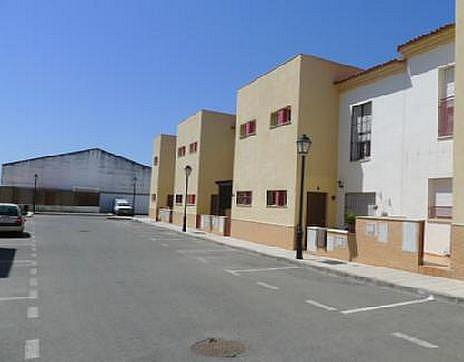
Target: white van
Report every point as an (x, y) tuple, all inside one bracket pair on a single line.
[(122, 207)]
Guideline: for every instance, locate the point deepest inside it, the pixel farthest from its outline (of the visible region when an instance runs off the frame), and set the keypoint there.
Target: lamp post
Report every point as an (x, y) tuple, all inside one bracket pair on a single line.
[(303, 145), (188, 171), (134, 190), (34, 195)]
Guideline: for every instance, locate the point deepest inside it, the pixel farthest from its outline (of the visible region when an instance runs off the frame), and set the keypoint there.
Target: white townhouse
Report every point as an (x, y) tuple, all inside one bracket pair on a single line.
[(396, 138)]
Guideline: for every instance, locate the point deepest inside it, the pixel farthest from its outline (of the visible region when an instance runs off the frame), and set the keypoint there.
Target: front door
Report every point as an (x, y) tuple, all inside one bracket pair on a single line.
[(224, 201), (316, 214)]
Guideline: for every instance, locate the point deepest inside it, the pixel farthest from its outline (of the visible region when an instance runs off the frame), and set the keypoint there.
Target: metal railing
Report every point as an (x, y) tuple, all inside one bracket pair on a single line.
[(441, 212), (446, 117)]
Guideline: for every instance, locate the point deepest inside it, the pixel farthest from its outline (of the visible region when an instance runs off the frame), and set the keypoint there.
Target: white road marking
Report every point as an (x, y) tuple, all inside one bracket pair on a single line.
[(419, 342), (33, 282), (33, 271), (32, 349), (7, 299), (238, 271), (319, 305), (164, 244), (395, 305), (268, 286), (203, 260), (32, 312), (33, 294), (34, 255), (194, 251)]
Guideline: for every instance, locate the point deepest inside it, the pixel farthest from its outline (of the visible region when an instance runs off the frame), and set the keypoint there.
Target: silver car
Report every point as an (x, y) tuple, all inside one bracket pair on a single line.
[(11, 218)]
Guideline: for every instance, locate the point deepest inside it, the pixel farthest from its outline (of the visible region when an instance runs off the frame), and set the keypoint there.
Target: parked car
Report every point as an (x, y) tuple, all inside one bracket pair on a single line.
[(122, 207), (11, 218)]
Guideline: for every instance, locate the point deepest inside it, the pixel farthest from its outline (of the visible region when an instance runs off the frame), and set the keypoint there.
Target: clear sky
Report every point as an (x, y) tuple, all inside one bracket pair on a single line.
[(113, 74)]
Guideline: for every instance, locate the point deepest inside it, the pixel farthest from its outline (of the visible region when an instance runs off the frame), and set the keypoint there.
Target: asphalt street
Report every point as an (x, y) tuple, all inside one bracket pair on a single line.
[(79, 288)]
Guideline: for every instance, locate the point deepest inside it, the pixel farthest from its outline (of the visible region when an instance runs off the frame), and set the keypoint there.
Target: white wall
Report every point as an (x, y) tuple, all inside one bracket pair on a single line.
[(405, 149)]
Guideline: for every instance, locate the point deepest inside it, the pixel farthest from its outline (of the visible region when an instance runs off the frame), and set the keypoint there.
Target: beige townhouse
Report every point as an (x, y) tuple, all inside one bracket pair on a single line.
[(457, 241), (298, 97), (205, 142), (162, 177)]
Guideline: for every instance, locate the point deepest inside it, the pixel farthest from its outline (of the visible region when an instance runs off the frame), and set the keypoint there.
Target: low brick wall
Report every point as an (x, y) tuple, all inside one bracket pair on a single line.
[(192, 219), (219, 225), (457, 252), (390, 242), (165, 215), (264, 233), (332, 243)]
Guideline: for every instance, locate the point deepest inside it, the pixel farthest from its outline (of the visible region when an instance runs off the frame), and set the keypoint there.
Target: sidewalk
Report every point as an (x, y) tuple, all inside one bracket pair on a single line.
[(442, 288)]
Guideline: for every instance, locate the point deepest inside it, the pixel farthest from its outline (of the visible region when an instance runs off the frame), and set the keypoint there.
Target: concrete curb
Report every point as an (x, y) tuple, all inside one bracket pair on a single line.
[(71, 214), (323, 269)]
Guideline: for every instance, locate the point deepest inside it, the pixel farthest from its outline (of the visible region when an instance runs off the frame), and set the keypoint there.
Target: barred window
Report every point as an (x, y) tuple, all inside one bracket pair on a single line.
[(179, 199), (282, 117), (361, 124), (277, 198), (244, 198)]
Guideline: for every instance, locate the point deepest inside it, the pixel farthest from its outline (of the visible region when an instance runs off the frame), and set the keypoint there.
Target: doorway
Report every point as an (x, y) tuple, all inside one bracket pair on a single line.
[(222, 202), (316, 209)]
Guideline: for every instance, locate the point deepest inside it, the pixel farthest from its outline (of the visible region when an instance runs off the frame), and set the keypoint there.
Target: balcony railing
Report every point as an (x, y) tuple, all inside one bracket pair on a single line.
[(441, 212), (446, 117)]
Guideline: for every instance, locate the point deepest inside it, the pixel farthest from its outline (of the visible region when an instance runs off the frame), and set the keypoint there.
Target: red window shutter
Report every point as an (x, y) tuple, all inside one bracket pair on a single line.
[(281, 116), (252, 127)]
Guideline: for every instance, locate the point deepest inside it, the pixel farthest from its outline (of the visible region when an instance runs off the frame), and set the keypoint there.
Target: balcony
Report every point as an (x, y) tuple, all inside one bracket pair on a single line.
[(441, 212), (446, 117)]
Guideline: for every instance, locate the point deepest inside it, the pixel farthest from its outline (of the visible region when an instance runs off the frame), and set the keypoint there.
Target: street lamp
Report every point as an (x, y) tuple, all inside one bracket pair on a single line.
[(188, 171), (303, 145), (34, 195), (134, 190)]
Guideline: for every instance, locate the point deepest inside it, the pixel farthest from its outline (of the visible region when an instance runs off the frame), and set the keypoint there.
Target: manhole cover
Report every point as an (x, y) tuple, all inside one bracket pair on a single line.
[(332, 262), (218, 347)]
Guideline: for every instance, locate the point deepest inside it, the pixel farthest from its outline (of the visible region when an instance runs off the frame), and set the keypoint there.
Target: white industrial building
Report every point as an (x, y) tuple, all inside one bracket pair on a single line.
[(94, 169)]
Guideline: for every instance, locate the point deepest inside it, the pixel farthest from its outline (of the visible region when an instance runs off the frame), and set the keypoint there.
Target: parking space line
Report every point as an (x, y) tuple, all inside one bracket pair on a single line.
[(239, 271), (202, 259), (32, 312), (33, 294), (34, 255), (32, 349), (164, 244), (33, 282), (268, 286), (7, 299), (195, 251), (33, 271), (320, 305), (415, 340), (394, 305)]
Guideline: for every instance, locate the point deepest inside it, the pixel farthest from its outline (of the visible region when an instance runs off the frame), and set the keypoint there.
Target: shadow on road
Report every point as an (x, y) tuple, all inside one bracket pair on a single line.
[(15, 236), (6, 261)]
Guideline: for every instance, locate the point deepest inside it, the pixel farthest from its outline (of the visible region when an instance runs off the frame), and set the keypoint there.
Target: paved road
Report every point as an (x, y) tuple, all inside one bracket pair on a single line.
[(94, 289)]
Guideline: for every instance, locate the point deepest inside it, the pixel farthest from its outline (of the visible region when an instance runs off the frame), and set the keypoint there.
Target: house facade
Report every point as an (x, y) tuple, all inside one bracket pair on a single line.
[(457, 244), (396, 139), (162, 177), (272, 112), (205, 142)]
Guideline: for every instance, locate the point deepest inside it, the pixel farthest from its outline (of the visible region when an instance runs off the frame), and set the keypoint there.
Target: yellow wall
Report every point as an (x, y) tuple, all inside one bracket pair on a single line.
[(216, 155), (162, 178), (268, 160), (213, 161), (318, 118)]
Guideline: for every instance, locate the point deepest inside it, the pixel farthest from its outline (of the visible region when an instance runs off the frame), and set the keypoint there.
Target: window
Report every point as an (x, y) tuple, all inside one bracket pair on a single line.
[(248, 129), (191, 199), (441, 198), (181, 151), (179, 199), (153, 197), (244, 198), (193, 147), (277, 198), (282, 117), (361, 123), (446, 108), (155, 161)]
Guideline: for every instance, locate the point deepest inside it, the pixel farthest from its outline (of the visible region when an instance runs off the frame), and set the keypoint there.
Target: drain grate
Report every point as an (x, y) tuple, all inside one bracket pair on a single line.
[(332, 262), (218, 347)]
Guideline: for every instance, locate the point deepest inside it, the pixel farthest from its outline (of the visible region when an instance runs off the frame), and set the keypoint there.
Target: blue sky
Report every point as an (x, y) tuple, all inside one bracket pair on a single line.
[(113, 74)]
